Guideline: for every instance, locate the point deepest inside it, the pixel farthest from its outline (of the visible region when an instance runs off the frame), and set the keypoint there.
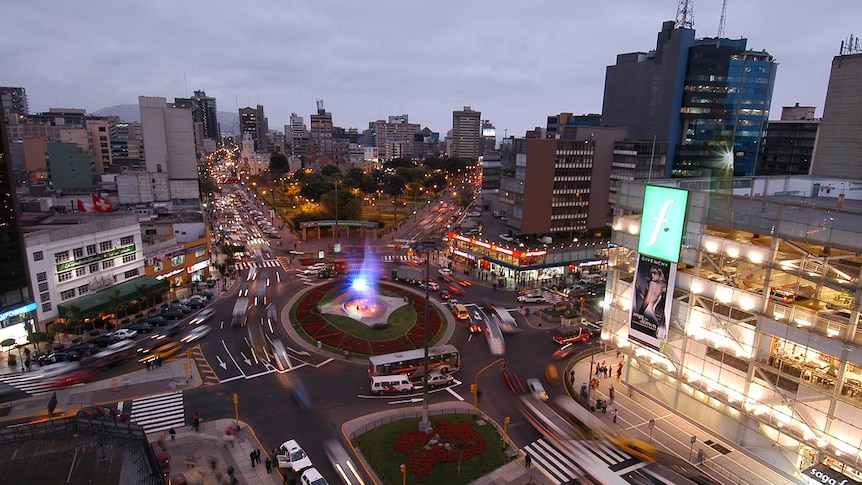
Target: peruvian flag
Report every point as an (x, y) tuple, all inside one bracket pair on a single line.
[(101, 204), (82, 207)]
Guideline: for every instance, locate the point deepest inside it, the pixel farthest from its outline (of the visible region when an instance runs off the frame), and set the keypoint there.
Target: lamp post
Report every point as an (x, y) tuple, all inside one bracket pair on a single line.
[(426, 246), (336, 214)]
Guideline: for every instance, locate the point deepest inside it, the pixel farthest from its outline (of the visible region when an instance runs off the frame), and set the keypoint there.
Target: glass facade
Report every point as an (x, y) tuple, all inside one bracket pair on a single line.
[(725, 109), (764, 343)]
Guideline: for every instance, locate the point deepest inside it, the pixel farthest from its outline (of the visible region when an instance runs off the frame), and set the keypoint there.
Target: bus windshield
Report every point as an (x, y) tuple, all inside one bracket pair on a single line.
[(444, 359)]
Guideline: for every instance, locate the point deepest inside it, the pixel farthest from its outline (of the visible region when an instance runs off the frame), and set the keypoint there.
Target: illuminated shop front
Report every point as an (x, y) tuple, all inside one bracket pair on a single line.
[(522, 267), (749, 324)]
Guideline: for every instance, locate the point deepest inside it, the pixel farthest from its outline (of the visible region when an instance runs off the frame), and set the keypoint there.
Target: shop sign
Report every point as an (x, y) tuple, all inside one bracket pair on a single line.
[(67, 265), (662, 222), (30, 307), (822, 474)]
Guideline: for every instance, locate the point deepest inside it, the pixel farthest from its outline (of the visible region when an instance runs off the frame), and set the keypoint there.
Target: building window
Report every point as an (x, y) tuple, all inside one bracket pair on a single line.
[(94, 268), (83, 289), (91, 249), (82, 271), (65, 276), (200, 254), (67, 295), (61, 256), (178, 260), (158, 266), (46, 307), (43, 286), (105, 246), (44, 297), (78, 253), (41, 276), (131, 273), (129, 258), (38, 256), (108, 263), (127, 240)]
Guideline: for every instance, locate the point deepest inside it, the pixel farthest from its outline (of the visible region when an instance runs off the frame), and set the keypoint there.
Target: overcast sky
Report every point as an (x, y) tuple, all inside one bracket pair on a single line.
[(515, 61)]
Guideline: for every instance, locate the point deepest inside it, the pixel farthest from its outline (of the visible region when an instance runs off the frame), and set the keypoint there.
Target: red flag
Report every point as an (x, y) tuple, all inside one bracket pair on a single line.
[(101, 204), (81, 206)]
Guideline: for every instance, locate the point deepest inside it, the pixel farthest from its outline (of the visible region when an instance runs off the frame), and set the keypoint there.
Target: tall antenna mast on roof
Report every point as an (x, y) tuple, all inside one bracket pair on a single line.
[(685, 14)]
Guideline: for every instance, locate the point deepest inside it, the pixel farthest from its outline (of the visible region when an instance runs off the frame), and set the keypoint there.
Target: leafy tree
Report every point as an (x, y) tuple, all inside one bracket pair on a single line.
[(316, 189), (278, 165), (329, 170), (399, 162), (349, 206)]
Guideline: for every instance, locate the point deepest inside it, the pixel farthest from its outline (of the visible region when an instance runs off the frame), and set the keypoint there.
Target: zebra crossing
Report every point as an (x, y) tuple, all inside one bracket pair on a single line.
[(159, 413), (32, 383), (562, 467), (396, 258), (269, 263)]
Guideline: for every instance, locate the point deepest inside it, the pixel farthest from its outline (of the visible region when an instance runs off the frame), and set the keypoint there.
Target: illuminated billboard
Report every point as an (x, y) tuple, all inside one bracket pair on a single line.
[(651, 301), (662, 222)]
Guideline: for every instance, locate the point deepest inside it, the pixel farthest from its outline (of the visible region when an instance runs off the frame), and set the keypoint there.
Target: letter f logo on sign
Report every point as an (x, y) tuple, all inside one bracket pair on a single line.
[(660, 221)]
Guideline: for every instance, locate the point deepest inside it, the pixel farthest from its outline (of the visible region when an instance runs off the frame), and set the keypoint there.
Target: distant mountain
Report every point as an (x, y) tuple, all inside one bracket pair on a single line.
[(228, 121)]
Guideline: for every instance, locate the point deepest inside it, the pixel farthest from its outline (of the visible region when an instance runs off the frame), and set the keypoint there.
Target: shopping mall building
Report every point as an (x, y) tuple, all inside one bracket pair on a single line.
[(739, 307)]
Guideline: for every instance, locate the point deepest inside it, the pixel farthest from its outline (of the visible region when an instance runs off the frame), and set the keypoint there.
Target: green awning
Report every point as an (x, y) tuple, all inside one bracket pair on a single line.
[(101, 300)]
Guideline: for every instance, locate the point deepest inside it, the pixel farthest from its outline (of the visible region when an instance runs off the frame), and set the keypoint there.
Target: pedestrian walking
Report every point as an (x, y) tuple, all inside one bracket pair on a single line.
[(173, 433), (257, 455), (611, 393), (528, 460), (268, 464), (251, 455), (147, 363), (616, 413), (196, 421), (620, 370)]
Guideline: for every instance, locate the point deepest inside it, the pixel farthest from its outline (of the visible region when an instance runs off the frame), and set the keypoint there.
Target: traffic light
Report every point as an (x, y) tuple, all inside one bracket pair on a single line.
[(506, 421), (472, 388), (503, 366), (403, 468)]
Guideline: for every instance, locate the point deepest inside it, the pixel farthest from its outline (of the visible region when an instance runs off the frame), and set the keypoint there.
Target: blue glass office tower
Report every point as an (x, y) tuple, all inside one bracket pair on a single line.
[(706, 98)]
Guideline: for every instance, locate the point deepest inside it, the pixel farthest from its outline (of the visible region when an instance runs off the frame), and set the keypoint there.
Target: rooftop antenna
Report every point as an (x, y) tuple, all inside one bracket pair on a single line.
[(721, 20), (850, 46), (320, 108), (685, 14)]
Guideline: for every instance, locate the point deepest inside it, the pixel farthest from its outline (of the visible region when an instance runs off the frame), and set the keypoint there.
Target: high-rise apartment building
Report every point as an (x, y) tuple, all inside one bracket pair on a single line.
[(321, 146), (395, 138), (208, 115), (297, 135), (253, 122), (788, 148), (169, 146), (17, 308), (839, 147), (466, 131), (708, 99)]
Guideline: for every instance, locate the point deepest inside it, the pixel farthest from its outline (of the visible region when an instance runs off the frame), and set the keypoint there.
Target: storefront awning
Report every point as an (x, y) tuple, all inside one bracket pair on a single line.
[(101, 300)]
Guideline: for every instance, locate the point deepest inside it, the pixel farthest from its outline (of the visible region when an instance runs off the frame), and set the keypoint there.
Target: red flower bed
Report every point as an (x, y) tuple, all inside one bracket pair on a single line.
[(397, 345), (356, 345), (442, 445), (332, 340)]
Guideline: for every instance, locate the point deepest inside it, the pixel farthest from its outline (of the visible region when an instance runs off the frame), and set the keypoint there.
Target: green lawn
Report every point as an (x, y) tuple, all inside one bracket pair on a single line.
[(377, 446)]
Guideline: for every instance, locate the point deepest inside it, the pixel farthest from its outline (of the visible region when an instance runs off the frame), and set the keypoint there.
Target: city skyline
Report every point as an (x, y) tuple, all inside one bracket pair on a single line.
[(514, 63)]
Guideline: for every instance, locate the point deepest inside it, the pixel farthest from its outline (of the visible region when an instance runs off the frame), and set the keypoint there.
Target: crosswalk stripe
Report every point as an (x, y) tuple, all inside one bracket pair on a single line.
[(159, 413), (27, 383), (559, 466)]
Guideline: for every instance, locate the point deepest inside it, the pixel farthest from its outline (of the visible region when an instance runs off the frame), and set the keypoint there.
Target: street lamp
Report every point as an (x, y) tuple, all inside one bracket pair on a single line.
[(426, 246)]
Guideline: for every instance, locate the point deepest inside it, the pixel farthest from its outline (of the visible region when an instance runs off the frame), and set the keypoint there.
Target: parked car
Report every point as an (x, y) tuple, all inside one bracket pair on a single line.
[(141, 327), (172, 313), (312, 477), (528, 298), (156, 320), (292, 456), (196, 302), (104, 340), (506, 237), (124, 333), (207, 294)]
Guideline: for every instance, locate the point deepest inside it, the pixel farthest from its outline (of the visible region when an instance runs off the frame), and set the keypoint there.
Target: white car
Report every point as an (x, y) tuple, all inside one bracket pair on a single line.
[(433, 286), (124, 333), (317, 266), (437, 379), (312, 477), (506, 237), (291, 455), (445, 271), (530, 298), (196, 333), (537, 389), (202, 316)]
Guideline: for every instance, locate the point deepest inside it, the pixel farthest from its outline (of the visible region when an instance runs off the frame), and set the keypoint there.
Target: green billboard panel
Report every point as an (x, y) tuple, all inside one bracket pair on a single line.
[(663, 222)]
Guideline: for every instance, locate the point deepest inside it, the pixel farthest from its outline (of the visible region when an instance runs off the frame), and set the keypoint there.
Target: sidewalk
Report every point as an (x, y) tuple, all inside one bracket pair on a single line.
[(672, 433)]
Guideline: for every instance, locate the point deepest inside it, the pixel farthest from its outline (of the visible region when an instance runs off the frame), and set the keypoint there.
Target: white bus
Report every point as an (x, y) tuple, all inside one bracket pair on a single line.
[(444, 359)]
